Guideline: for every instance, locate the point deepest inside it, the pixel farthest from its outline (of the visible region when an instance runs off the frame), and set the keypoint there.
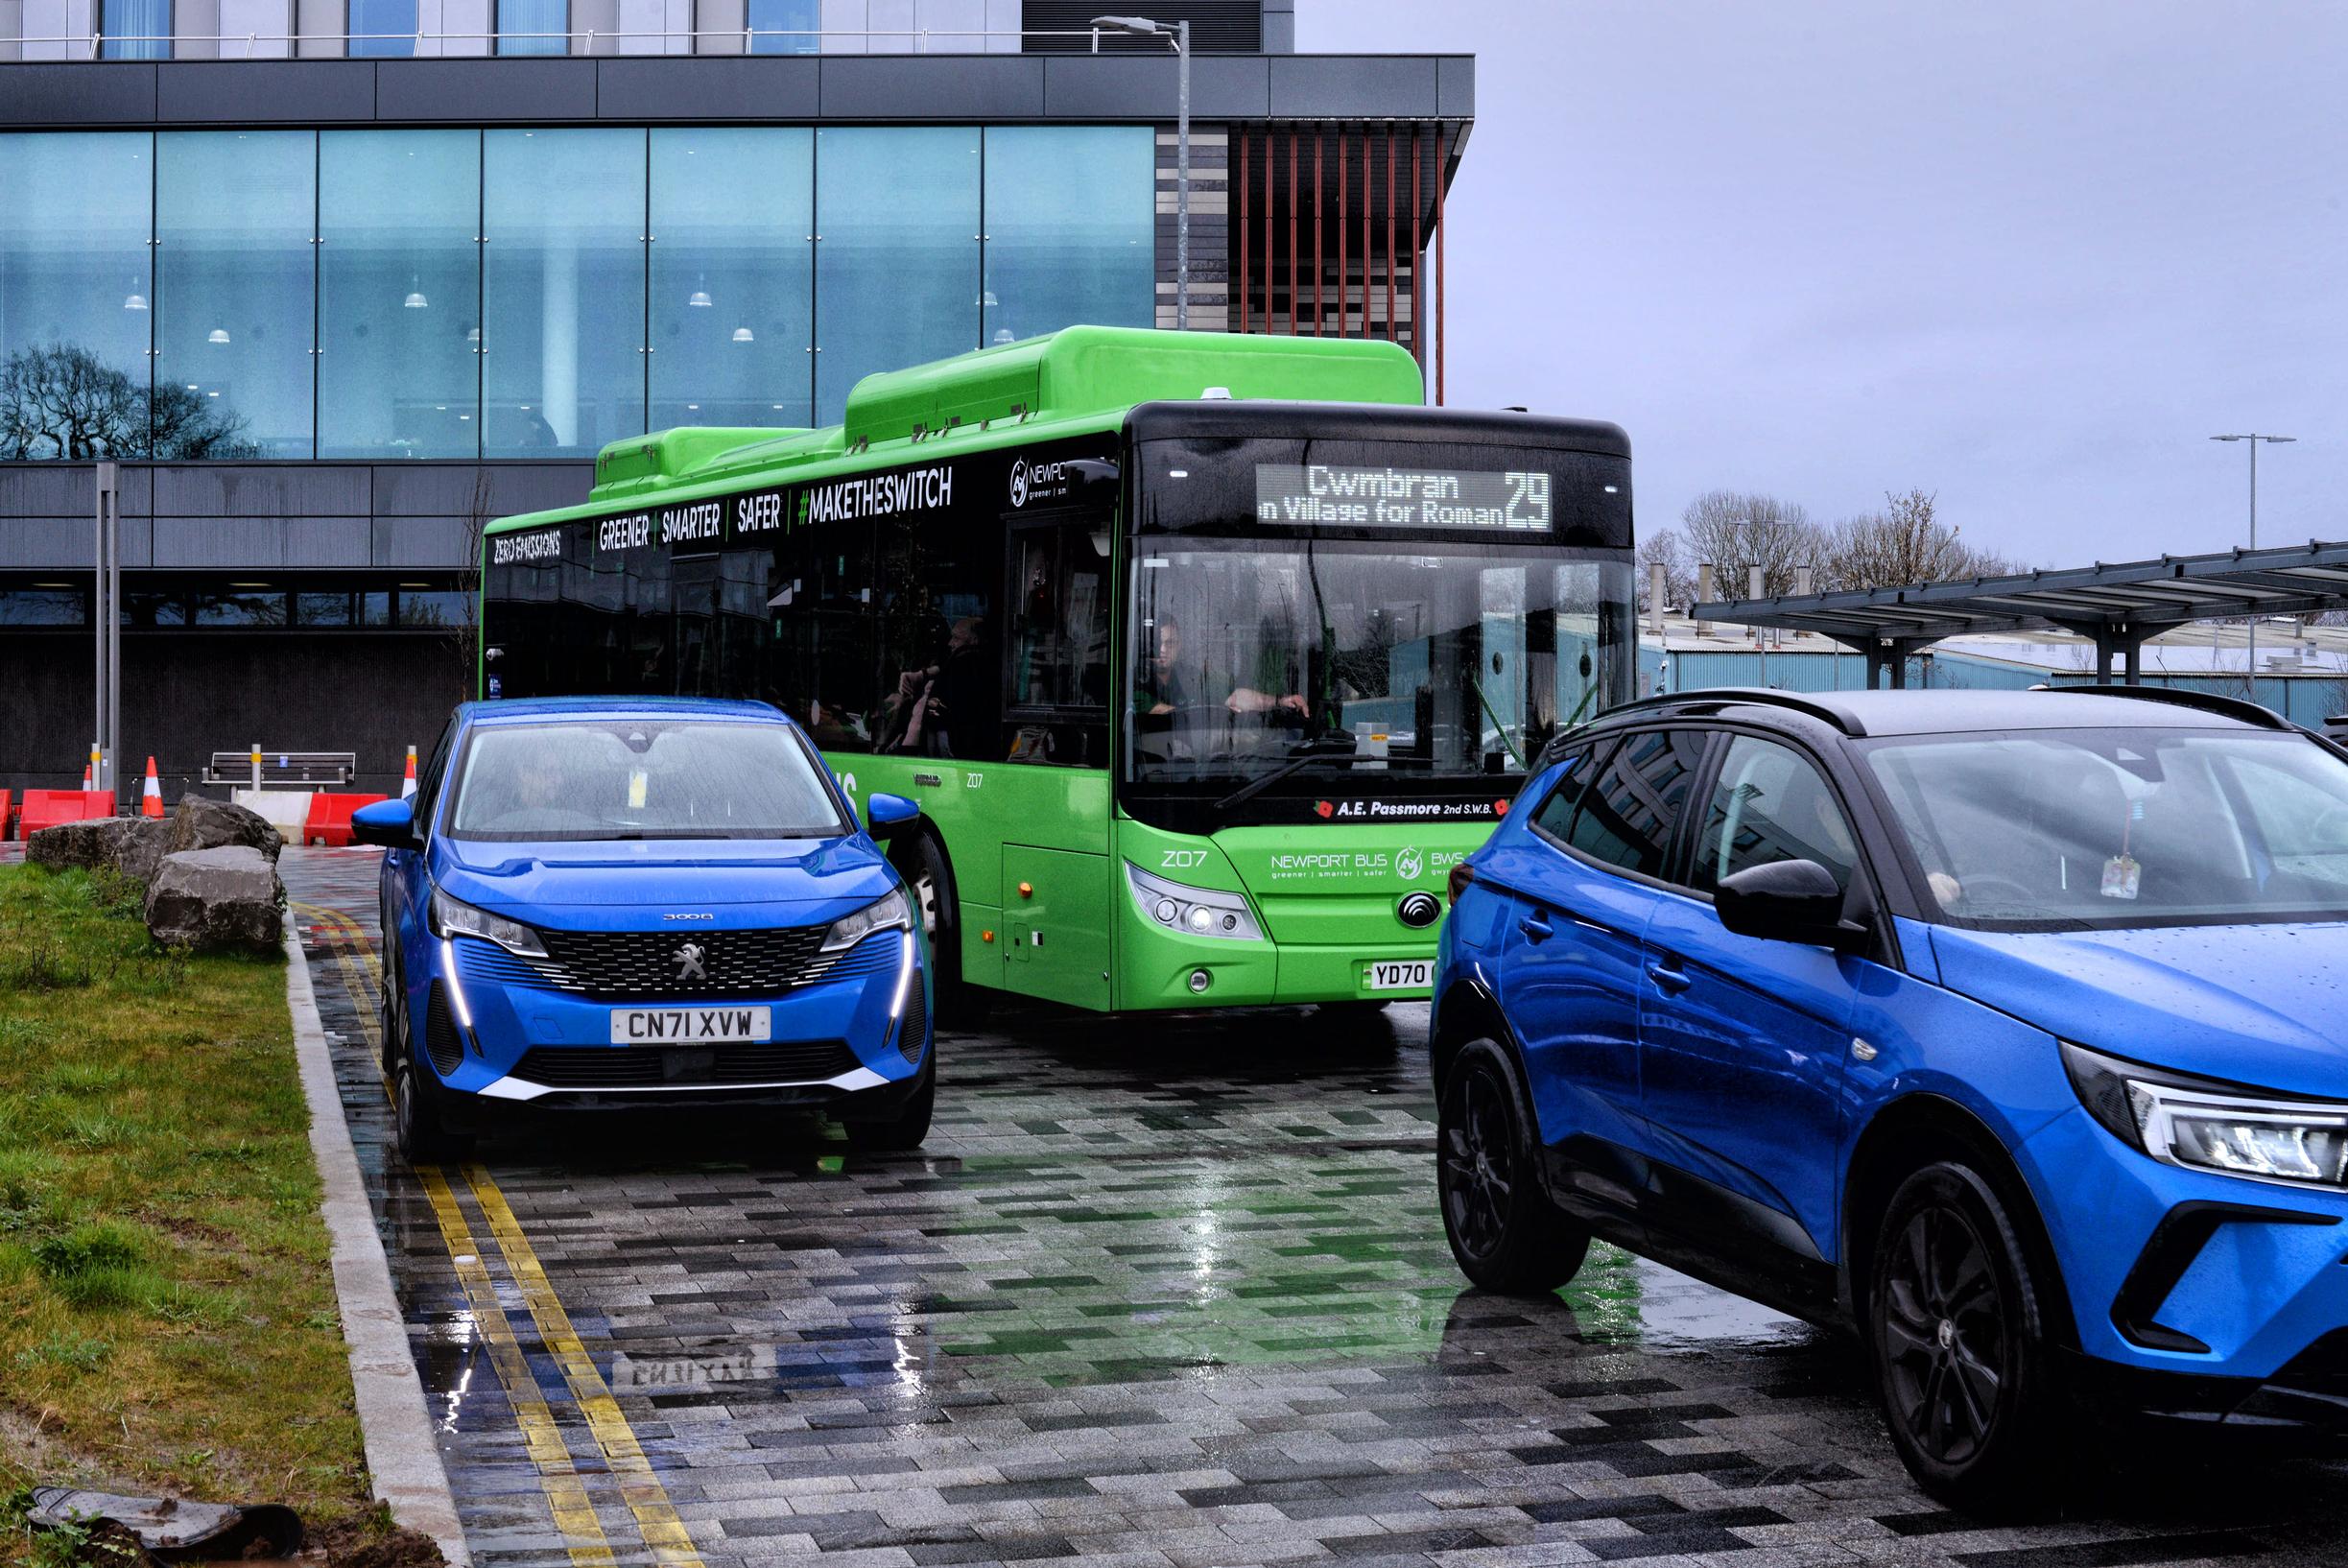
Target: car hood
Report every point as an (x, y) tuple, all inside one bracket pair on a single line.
[(2257, 1004), (741, 883)]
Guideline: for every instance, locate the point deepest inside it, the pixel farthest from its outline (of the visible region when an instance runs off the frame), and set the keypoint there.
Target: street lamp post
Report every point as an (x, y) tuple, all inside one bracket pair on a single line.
[(1177, 35), (2254, 439)]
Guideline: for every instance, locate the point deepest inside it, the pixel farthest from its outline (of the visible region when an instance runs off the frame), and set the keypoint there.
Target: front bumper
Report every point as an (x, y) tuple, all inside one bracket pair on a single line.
[(495, 1031), (2196, 1295)]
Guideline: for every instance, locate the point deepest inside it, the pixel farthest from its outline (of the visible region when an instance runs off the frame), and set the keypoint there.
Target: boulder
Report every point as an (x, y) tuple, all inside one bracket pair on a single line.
[(213, 899), (132, 845), (200, 824)]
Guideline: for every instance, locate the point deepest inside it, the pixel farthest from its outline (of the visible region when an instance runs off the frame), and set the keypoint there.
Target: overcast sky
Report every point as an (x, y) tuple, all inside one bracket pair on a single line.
[(2027, 255)]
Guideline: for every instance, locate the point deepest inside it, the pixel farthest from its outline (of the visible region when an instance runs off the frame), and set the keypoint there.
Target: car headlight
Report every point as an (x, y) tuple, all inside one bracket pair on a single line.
[(891, 912), (453, 918), (1194, 912), (2209, 1126)]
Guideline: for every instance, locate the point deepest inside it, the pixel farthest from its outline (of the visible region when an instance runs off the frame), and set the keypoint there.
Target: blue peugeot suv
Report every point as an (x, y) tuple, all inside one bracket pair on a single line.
[(2007, 1027), (596, 902)]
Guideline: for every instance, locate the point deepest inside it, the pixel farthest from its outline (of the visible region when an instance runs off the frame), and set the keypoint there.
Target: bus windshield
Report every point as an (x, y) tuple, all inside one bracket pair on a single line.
[(1346, 656)]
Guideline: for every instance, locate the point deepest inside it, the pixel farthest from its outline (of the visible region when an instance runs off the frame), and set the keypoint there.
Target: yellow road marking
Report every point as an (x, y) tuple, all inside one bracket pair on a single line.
[(583, 1535), (639, 1484)]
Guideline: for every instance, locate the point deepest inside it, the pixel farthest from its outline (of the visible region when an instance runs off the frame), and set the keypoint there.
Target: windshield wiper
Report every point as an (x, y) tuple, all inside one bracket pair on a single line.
[(1315, 751)]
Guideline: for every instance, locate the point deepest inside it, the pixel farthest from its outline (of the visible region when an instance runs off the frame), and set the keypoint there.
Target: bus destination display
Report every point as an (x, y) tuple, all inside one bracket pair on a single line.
[(1385, 497)]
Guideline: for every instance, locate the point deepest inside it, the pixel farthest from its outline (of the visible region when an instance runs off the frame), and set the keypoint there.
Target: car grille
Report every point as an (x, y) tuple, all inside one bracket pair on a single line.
[(635, 966), (913, 1034), (441, 1042), (640, 1067)]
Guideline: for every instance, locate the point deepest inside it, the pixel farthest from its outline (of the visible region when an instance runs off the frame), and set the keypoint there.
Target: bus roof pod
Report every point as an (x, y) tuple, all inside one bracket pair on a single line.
[(1086, 369), (1075, 371)]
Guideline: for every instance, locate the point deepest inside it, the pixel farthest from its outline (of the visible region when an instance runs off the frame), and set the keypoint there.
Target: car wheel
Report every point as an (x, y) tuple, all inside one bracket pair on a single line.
[(908, 1127), (1505, 1233), (1962, 1364), (930, 884), (423, 1138)]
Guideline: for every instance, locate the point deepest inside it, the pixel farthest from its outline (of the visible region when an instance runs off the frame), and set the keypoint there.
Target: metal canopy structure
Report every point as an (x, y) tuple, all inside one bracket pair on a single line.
[(2118, 607)]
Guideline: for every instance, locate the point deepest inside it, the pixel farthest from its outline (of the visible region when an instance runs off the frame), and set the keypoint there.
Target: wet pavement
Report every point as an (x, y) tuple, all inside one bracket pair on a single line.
[(1172, 1294)]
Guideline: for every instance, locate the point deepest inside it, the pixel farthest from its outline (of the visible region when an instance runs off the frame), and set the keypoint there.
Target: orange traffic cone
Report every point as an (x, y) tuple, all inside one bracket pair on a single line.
[(151, 799), (406, 785)]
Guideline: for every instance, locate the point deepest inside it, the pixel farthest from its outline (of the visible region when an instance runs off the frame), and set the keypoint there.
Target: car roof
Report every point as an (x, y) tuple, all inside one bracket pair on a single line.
[(1870, 713), (594, 707)]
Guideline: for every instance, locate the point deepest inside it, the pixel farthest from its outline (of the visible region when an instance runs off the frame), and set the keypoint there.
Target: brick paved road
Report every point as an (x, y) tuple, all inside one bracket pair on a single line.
[(1169, 1296)]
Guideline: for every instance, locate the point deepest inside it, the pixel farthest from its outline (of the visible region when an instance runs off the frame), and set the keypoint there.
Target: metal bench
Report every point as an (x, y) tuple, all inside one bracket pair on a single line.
[(318, 768)]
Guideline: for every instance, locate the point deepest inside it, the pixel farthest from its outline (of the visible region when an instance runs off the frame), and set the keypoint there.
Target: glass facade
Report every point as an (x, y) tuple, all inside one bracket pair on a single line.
[(233, 314), (75, 293), (785, 27), (135, 29), (383, 29), (533, 26), (399, 294), (732, 276), (518, 293), (896, 252)]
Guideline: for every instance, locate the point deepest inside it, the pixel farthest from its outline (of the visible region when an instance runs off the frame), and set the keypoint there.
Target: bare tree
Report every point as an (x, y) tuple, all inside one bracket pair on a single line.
[(1732, 532), (1664, 547), (1905, 542), (62, 402), (464, 637)]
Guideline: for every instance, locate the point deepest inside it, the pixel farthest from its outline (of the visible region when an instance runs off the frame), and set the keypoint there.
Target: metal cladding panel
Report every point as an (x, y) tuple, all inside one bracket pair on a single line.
[(293, 490), (447, 490), (477, 91), (78, 92), (709, 88), (1455, 86), (261, 543), (68, 490), (896, 87), (1354, 87), (422, 541), (263, 93), (1137, 86)]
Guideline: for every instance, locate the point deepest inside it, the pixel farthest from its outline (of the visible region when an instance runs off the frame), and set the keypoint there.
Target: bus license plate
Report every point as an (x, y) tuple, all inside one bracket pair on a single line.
[(1406, 975), (690, 1026)]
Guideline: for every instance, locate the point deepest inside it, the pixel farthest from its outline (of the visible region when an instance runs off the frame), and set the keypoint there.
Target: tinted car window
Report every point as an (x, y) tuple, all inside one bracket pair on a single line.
[(1628, 814), (639, 778), (1556, 816), (1770, 804)]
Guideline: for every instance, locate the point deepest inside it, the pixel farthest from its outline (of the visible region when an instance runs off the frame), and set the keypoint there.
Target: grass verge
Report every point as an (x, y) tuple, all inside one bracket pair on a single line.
[(167, 1316)]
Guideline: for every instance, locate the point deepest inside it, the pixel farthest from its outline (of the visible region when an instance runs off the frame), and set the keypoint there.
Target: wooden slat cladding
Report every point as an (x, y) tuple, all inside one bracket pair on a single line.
[(1329, 230)]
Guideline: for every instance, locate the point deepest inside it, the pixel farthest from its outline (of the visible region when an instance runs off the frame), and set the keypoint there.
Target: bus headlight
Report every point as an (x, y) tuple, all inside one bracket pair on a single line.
[(1194, 912)]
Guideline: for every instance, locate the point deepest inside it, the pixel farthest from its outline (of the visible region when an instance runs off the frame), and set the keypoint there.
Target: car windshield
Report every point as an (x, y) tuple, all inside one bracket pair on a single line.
[(1425, 660), (2092, 828), (640, 778)]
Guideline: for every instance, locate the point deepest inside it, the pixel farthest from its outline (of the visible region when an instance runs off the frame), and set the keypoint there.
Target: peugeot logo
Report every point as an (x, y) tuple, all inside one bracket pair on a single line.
[(1019, 483), (1418, 910), (688, 962)]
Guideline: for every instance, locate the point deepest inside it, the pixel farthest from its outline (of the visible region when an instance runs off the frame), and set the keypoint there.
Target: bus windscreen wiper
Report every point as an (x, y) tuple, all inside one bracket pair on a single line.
[(1315, 751)]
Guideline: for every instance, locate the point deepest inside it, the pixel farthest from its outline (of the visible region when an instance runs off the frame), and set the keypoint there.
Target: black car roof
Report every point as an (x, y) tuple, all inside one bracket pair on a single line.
[(1865, 713)]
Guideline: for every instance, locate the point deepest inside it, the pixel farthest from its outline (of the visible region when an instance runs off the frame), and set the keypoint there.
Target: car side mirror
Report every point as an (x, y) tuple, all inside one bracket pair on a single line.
[(886, 814), (1788, 901), (388, 824)]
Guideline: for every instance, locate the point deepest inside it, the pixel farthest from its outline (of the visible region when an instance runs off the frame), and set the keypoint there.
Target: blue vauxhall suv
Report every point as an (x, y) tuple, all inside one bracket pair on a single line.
[(600, 902), (2007, 1027)]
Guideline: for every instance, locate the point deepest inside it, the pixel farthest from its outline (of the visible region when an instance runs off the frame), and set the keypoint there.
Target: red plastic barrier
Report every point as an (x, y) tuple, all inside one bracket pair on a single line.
[(51, 808), (5, 797), (329, 820)]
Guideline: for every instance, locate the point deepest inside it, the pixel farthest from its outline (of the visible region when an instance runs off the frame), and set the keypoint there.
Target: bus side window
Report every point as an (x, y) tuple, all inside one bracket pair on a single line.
[(940, 686), (1058, 671)]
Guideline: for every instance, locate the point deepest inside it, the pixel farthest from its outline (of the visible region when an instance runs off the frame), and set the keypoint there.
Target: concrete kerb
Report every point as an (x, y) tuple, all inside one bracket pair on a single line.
[(402, 1456)]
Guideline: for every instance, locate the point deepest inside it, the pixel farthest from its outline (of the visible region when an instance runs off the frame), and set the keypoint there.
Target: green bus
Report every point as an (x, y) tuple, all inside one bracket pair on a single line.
[(1207, 657)]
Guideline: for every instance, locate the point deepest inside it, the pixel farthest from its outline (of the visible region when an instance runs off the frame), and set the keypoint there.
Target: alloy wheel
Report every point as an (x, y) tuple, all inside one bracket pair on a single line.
[(1478, 1153), (1942, 1322)]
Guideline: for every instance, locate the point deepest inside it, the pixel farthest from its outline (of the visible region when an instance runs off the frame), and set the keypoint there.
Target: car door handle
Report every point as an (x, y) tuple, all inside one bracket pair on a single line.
[(1536, 927), (1668, 980)]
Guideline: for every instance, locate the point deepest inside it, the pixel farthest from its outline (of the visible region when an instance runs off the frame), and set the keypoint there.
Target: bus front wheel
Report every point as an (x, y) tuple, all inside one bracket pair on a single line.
[(929, 880)]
